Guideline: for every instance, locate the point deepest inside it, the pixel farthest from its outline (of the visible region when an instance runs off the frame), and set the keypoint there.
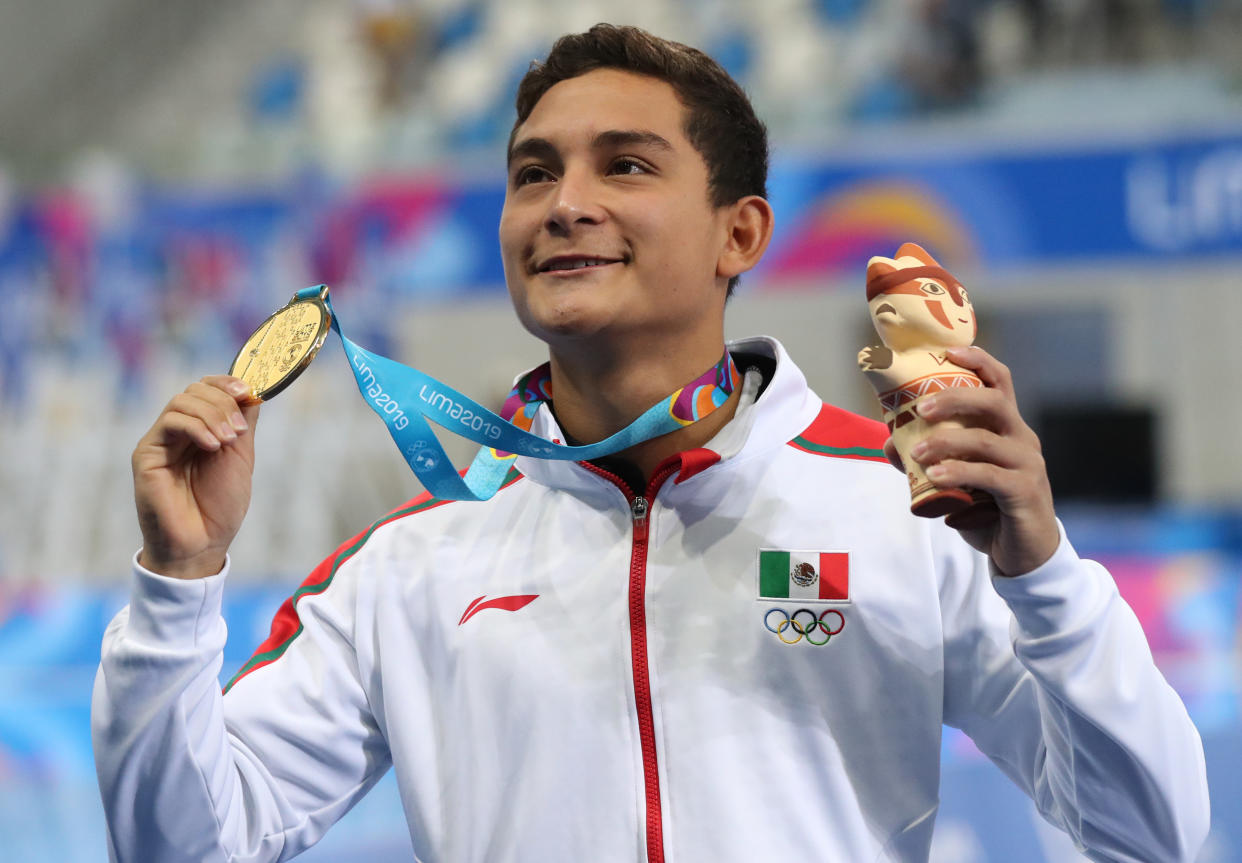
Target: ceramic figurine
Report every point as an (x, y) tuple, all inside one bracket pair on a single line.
[(918, 310)]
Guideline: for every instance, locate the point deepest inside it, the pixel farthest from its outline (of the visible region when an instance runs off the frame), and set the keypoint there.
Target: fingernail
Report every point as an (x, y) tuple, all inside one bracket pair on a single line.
[(936, 472), (919, 449), (225, 432), (238, 422), (238, 388), (924, 405)]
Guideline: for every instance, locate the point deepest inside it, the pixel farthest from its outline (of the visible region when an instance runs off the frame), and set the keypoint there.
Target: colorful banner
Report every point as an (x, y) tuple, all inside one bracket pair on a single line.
[(195, 271), (999, 206)]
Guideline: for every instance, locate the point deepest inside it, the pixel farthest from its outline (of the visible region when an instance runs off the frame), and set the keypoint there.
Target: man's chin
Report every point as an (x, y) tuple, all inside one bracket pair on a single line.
[(559, 318), (567, 331), (561, 325)]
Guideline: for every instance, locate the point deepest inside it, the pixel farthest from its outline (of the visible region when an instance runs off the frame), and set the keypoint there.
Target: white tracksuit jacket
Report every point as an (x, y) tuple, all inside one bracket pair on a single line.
[(556, 675)]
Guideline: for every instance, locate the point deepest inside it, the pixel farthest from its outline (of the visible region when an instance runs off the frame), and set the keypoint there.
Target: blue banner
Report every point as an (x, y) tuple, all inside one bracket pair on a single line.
[(1167, 199)]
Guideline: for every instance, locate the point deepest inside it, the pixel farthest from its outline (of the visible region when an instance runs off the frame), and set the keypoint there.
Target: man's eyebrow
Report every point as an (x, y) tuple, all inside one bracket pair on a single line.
[(542, 148), (630, 138), (535, 148)]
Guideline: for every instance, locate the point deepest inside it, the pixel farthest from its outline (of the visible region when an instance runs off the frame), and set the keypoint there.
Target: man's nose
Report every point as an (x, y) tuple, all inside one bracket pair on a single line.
[(576, 202)]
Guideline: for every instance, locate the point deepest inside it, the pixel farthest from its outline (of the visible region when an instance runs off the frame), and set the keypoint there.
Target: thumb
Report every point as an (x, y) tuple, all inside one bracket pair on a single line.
[(890, 452), (250, 413)]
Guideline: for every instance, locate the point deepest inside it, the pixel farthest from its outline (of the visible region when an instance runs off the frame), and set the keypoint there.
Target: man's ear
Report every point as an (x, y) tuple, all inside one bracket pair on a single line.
[(749, 231)]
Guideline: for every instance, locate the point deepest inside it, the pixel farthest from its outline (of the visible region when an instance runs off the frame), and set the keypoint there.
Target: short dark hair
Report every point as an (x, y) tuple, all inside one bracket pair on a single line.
[(719, 123)]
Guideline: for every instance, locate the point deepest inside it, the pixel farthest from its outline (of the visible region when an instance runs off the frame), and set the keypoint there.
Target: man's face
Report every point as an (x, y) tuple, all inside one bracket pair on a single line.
[(607, 227)]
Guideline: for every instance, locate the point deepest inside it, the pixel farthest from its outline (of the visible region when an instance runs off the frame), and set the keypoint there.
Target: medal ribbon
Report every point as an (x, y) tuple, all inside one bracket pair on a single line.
[(405, 398)]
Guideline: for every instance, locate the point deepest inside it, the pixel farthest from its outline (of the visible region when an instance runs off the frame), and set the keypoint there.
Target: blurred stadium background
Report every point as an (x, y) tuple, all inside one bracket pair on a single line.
[(170, 172)]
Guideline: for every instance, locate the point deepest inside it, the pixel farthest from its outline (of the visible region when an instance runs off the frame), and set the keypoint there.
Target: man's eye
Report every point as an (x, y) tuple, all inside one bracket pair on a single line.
[(531, 174), (627, 165), (932, 288)]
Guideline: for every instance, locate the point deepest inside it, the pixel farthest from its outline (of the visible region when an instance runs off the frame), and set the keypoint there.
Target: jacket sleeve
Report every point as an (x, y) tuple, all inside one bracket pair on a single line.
[(187, 774), (1051, 675)]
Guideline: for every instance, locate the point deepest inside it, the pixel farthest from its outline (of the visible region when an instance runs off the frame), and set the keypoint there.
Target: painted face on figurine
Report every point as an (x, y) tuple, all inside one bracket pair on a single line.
[(919, 309), (924, 312)]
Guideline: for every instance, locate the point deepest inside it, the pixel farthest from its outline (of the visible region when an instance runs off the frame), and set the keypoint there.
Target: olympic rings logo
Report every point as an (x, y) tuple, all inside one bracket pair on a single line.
[(809, 628)]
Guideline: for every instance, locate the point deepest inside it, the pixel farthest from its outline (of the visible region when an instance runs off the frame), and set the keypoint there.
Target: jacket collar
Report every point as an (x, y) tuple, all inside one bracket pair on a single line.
[(783, 410)]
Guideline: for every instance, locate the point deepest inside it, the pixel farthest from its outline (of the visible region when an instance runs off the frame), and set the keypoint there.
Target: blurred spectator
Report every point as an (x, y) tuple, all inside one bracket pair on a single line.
[(941, 60), (401, 45)]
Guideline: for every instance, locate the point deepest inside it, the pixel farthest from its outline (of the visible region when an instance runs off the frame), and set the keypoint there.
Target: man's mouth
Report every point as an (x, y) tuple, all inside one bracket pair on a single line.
[(565, 263), (885, 307)]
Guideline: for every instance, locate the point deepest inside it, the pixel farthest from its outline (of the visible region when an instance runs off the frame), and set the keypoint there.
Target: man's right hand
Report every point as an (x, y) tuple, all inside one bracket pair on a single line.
[(192, 473)]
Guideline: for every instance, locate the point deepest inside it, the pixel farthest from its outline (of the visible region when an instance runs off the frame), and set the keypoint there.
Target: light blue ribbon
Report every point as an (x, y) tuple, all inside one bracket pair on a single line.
[(405, 398)]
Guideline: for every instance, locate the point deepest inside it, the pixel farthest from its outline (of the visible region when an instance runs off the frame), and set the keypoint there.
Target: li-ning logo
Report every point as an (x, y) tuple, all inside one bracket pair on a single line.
[(816, 630), (504, 603)]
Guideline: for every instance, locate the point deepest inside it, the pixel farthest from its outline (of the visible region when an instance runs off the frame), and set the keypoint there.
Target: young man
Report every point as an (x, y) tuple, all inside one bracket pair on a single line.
[(595, 664)]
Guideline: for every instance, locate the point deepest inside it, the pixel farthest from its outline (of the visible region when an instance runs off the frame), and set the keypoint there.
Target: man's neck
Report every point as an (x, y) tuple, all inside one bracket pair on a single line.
[(600, 397)]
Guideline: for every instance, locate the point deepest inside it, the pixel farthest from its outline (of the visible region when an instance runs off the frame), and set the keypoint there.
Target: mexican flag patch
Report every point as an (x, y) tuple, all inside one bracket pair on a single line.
[(806, 576)]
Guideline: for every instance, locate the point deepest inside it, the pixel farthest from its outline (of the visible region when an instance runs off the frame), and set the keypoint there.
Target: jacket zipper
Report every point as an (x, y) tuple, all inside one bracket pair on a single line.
[(640, 507)]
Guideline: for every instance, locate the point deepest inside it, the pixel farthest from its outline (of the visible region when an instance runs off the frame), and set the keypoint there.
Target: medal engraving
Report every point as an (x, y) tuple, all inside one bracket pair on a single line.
[(283, 346)]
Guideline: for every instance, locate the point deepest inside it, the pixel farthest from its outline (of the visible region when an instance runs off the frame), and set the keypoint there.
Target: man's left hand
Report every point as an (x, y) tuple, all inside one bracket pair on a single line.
[(997, 453)]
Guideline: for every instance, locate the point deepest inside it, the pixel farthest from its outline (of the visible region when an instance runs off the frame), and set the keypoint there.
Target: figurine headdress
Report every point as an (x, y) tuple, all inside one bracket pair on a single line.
[(885, 278)]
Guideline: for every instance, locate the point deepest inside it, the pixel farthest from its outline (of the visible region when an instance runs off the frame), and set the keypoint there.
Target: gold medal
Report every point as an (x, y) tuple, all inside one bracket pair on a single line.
[(283, 345)]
